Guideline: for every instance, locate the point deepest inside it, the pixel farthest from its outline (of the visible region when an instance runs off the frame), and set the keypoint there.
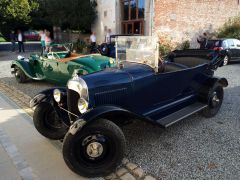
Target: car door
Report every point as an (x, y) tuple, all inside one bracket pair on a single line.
[(50, 67), (237, 46)]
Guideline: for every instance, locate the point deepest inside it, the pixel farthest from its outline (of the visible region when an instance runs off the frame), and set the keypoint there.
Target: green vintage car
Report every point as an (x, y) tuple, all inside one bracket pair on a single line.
[(58, 66)]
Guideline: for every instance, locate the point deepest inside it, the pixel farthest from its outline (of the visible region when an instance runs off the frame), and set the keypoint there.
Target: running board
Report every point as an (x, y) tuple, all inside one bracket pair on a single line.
[(181, 114)]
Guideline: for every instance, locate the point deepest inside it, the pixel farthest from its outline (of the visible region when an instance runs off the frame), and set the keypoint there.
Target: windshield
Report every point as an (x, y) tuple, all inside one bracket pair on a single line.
[(61, 47), (139, 49)]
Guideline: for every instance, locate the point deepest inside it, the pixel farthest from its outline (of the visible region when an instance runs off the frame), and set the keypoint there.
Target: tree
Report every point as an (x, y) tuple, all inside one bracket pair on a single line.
[(73, 14), (231, 29), (14, 14)]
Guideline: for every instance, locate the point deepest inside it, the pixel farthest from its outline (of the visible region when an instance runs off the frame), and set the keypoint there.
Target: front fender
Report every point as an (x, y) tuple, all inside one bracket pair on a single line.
[(108, 112), (45, 96), (25, 66)]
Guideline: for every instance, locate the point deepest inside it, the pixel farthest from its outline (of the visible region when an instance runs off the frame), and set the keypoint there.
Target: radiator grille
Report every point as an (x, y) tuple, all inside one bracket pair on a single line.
[(72, 101)]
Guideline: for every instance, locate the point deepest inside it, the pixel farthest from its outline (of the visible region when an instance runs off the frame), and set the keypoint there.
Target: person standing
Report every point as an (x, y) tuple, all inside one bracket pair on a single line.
[(108, 35), (13, 40), (42, 39), (93, 40), (48, 41), (202, 40), (20, 39)]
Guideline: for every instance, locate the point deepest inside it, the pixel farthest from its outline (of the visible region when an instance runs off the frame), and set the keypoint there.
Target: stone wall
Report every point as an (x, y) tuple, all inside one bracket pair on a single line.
[(182, 20)]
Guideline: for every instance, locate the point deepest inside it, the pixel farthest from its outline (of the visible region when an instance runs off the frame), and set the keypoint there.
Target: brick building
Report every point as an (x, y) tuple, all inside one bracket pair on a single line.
[(178, 20), (186, 19)]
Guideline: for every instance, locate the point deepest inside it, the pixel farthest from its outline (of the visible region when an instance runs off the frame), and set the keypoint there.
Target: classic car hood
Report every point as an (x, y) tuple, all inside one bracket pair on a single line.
[(96, 62), (115, 85), (116, 76)]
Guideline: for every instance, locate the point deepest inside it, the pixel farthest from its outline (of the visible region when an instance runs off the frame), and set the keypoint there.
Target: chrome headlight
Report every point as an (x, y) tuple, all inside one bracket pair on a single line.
[(57, 95), (82, 105)]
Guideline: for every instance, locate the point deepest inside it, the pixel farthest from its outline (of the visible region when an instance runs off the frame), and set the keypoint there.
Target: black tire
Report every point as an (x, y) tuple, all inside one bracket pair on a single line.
[(215, 99), (226, 60), (20, 75), (104, 49), (48, 123), (112, 147)]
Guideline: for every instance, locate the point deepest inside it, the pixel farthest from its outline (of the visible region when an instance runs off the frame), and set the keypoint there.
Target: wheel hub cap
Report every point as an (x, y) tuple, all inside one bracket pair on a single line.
[(215, 99), (94, 149), (225, 60)]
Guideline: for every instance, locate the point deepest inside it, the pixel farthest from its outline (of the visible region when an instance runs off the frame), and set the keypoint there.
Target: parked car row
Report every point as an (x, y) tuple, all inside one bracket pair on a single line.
[(232, 47), (103, 93)]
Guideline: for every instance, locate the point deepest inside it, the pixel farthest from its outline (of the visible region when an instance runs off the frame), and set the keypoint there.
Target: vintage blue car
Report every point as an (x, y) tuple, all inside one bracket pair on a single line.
[(87, 113)]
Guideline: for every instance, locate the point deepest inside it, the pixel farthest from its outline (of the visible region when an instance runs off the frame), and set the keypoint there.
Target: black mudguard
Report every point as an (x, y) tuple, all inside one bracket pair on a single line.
[(102, 112), (47, 96), (204, 90)]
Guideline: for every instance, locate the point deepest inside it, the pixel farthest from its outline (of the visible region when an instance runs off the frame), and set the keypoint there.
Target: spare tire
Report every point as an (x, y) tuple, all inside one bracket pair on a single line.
[(104, 49)]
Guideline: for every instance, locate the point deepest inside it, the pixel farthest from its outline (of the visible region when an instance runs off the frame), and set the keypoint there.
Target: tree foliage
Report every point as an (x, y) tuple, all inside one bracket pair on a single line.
[(73, 14), (231, 29), (15, 13)]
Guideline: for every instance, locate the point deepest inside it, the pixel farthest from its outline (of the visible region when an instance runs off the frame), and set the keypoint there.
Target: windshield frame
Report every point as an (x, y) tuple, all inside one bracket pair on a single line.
[(142, 50)]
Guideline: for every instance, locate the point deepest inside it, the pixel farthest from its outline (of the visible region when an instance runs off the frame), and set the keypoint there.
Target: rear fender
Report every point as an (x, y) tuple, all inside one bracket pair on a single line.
[(204, 90), (107, 112), (25, 66)]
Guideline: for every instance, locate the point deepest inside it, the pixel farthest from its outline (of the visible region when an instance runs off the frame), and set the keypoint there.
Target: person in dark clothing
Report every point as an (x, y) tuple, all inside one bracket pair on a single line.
[(13, 40), (202, 40), (20, 39)]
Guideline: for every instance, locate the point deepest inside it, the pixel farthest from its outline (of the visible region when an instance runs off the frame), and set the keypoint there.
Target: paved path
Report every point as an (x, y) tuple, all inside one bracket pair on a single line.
[(24, 153)]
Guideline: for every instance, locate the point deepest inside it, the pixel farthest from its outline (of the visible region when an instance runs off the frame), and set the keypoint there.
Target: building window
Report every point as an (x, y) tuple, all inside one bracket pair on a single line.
[(105, 13), (133, 16), (133, 9)]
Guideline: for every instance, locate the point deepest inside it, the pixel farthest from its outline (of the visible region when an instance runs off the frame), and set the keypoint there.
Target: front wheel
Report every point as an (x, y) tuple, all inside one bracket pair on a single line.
[(48, 123), (96, 150), (214, 102)]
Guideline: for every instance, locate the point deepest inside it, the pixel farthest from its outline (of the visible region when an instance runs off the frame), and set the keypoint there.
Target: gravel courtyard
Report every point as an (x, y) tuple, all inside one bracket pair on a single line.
[(195, 148)]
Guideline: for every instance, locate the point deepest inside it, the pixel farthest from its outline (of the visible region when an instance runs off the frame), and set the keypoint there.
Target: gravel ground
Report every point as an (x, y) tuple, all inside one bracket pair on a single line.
[(195, 148)]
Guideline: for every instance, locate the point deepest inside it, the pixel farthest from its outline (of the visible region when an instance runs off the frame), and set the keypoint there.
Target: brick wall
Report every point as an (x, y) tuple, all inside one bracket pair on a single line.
[(186, 19)]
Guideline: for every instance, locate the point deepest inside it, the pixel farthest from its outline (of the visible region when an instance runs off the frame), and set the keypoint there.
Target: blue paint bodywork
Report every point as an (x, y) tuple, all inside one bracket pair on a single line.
[(138, 89)]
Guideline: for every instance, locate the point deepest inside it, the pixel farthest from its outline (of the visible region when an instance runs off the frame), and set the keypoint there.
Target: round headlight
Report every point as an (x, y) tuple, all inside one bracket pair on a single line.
[(82, 105), (57, 95)]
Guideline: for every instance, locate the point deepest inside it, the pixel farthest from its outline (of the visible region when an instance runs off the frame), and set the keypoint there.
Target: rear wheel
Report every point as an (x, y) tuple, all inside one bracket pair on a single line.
[(96, 150), (20, 75), (215, 101), (48, 123), (104, 49)]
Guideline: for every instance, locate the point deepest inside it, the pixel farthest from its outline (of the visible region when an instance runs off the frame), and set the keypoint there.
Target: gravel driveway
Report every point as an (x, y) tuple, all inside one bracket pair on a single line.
[(195, 148)]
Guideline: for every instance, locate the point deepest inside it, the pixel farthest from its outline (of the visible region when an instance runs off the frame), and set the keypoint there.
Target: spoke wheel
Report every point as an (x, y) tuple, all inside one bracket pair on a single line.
[(48, 123), (95, 150), (19, 75), (215, 101), (225, 60)]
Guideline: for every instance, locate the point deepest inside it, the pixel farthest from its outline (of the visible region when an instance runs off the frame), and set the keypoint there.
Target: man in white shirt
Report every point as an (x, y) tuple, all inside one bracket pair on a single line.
[(20, 39), (93, 40)]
